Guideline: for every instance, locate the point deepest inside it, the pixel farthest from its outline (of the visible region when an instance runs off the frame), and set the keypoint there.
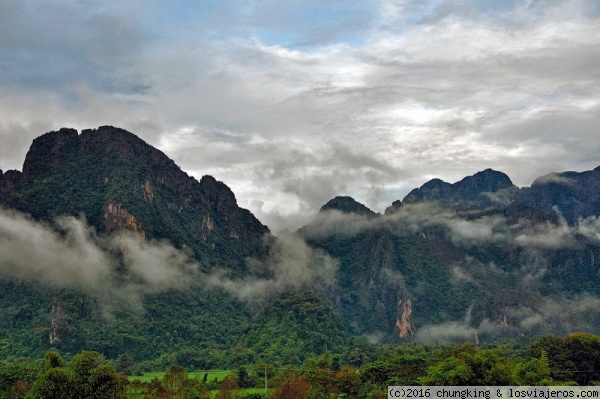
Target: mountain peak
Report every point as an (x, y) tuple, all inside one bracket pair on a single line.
[(469, 189), (112, 133), (488, 180), (572, 195), (347, 205), (118, 181), (49, 151)]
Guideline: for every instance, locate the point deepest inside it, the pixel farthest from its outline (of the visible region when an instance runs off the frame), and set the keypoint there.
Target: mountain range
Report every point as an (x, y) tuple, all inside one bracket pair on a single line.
[(106, 244)]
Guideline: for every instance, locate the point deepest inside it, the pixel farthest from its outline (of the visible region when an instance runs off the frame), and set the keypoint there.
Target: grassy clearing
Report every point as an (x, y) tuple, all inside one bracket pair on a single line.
[(212, 374)]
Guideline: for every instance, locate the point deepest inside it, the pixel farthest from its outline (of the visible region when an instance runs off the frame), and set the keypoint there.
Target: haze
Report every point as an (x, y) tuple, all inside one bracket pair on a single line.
[(292, 103)]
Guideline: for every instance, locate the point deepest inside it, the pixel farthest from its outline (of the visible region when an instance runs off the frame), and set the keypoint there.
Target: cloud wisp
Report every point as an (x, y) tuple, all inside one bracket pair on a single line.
[(465, 230), (549, 316), (291, 265), (527, 252), (124, 268), (113, 270)]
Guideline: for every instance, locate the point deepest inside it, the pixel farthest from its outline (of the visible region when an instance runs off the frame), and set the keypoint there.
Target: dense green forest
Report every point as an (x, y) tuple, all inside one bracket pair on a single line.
[(107, 245), (359, 370), (116, 259)]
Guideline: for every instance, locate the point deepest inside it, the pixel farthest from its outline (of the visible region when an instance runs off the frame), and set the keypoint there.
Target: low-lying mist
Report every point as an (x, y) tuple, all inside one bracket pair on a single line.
[(123, 268), (466, 228), (531, 246)]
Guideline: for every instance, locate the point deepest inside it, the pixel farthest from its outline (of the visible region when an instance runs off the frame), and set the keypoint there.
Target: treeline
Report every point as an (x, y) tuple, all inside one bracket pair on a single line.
[(362, 372)]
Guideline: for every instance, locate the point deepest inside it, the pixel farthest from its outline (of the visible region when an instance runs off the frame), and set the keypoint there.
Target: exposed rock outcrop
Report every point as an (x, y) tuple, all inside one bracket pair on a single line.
[(404, 321)]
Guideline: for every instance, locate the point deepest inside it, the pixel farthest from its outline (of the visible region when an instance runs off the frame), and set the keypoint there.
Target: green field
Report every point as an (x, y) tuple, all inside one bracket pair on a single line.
[(212, 374)]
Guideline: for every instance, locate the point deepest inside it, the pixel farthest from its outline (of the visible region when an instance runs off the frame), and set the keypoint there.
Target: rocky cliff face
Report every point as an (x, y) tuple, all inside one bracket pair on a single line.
[(120, 182), (488, 257), (478, 258), (117, 218), (404, 321)]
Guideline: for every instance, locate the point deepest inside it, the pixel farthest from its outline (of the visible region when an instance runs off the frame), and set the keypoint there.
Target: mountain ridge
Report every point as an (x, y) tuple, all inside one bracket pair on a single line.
[(477, 258), (569, 194), (118, 181), (495, 250)]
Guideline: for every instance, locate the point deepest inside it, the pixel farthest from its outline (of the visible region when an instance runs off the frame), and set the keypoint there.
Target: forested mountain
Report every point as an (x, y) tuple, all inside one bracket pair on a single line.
[(112, 253), (119, 182), (472, 260), (105, 244)]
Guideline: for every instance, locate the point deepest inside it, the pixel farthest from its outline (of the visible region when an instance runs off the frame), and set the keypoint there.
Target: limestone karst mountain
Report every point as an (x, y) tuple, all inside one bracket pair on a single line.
[(106, 244)]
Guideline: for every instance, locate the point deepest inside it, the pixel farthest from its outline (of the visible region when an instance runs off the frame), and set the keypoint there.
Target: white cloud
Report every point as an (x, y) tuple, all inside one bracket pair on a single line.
[(291, 104)]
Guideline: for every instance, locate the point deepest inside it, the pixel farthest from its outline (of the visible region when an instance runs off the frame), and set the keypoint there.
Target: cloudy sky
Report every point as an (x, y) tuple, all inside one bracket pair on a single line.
[(291, 103)]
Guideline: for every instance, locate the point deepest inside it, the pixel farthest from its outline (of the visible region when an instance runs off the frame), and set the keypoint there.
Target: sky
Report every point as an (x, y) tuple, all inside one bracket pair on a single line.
[(291, 103)]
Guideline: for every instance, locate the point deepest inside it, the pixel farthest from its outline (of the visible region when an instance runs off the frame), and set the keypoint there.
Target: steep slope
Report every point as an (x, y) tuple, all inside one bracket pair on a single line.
[(91, 295), (473, 260), (117, 181), (377, 277), (468, 261)]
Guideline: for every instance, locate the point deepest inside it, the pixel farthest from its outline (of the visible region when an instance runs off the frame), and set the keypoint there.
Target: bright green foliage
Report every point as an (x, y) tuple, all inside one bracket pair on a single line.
[(16, 379), (535, 372), (294, 327), (89, 376), (584, 351), (452, 371), (484, 367), (561, 367)]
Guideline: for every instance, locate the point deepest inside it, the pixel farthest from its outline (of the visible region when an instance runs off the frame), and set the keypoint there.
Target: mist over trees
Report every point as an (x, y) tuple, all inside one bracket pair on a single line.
[(107, 246)]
